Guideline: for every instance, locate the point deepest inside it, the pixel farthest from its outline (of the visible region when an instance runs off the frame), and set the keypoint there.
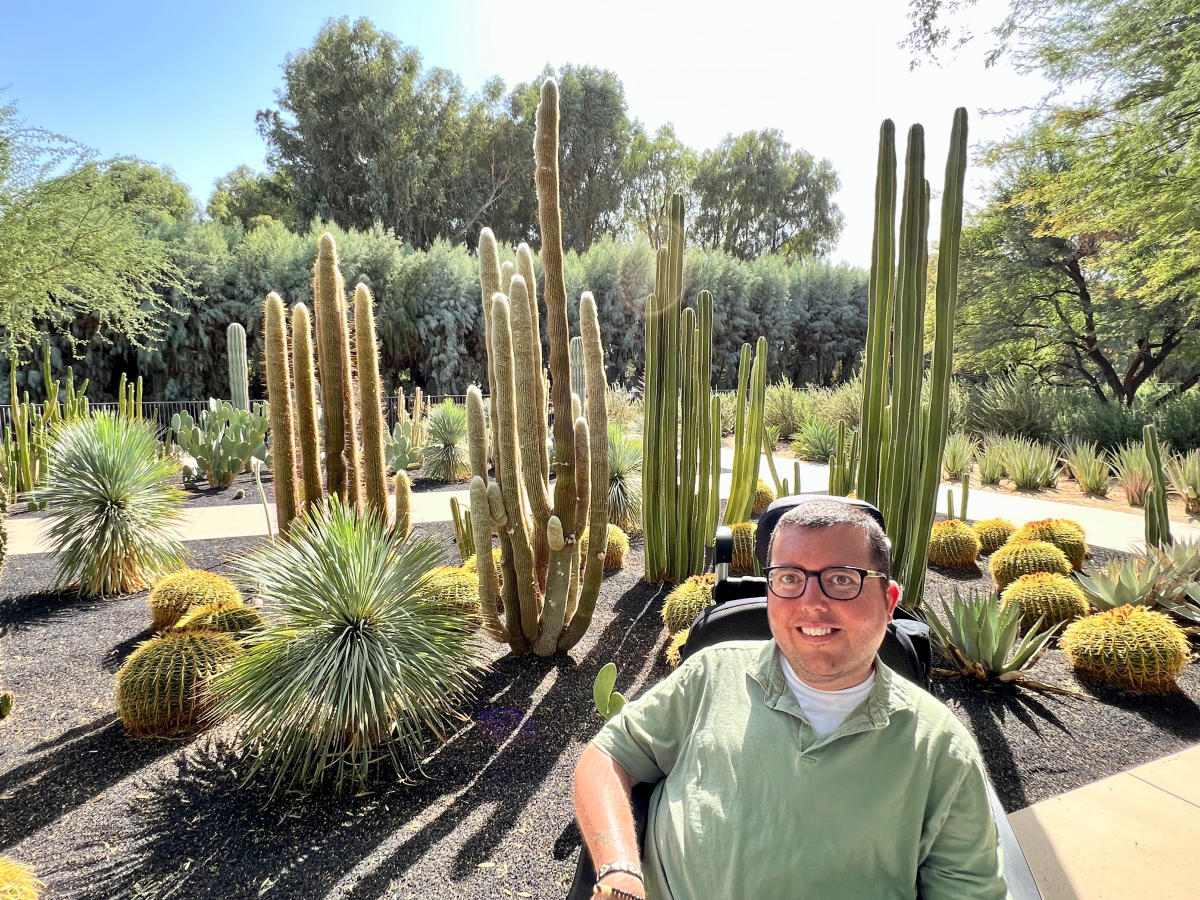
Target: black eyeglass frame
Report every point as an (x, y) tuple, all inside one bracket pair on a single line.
[(863, 575)]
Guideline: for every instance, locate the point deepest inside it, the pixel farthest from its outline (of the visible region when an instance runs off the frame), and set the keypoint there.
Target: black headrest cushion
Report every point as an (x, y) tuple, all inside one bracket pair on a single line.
[(770, 518)]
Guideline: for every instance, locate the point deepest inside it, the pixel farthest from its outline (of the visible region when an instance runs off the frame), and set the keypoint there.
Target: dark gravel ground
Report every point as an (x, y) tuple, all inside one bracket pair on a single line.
[(100, 815)]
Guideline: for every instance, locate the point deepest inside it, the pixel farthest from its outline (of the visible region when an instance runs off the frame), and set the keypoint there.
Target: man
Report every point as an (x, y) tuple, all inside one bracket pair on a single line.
[(799, 766)]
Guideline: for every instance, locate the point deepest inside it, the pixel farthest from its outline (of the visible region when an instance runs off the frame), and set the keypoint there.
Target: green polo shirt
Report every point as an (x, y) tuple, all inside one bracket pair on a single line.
[(753, 804)]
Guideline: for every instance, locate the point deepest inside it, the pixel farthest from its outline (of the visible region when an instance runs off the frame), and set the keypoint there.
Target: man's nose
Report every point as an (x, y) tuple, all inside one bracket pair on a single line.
[(813, 595)]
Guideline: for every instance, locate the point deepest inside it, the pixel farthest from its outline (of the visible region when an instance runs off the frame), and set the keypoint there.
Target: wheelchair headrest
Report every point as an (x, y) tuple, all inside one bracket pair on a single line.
[(770, 518)]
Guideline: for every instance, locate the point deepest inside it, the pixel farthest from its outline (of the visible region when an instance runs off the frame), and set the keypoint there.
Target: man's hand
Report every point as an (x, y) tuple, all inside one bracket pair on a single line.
[(602, 807)]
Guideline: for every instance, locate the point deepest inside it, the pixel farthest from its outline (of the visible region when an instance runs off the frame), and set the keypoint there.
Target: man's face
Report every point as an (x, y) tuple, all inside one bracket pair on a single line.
[(843, 657)]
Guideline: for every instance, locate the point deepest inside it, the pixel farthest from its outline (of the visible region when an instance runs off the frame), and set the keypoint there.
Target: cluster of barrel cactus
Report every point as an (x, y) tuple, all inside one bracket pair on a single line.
[(993, 534), (1048, 596), (223, 441), (1017, 558), (175, 595), (1065, 534)]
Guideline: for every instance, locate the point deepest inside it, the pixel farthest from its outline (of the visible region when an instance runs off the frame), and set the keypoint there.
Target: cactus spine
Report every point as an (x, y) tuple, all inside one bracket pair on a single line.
[(283, 449), (903, 441), (1158, 522), (239, 373), (545, 608), (678, 469), (307, 433)]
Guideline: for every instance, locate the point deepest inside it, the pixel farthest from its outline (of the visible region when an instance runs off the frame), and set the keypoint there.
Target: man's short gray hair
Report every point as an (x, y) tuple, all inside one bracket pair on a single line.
[(825, 512)]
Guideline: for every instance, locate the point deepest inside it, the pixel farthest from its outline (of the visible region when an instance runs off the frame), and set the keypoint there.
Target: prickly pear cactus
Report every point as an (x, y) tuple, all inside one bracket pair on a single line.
[(1065, 534), (1017, 558), (223, 441), (1052, 597), (608, 702), (614, 553), (174, 595), (160, 687), (1130, 647), (993, 534), (687, 601), (953, 545)]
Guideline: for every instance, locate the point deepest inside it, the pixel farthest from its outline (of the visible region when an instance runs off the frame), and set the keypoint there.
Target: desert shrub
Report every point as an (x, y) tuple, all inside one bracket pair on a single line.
[(445, 451), (175, 595), (1088, 466), (1131, 647), (728, 412), (1184, 473), (1178, 421), (842, 403), (624, 409), (112, 506), (816, 441), (786, 408), (990, 458), (1132, 469), (1012, 405), (358, 664), (959, 455), (1082, 416), (1030, 465), (624, 480)]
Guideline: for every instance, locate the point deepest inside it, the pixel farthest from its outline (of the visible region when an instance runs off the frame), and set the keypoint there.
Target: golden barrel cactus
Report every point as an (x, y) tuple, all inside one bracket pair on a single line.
[(687, 601), (1053, 597), (17, 881), (743, 547), (675, 647), (221, 617), (1065, 534), (764, 496), (455, 588), (1130, 647), (1017, 558), (614, 554), (993, 534), (160, 687), (953, 545), (174, 595)]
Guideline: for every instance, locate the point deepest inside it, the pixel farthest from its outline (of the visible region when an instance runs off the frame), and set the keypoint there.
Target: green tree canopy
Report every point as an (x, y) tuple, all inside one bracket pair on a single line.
[(757, 195), (251, 198), (654, 169)]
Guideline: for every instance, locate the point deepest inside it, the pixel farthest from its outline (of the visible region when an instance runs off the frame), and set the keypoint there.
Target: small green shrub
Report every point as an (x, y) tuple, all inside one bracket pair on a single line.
[(1030, 465), (1082, 416), (1184, 472), (728, 412), (1088, 466), (624, 409), (445, 451), (786, 408), (1012, 404), (1178, 421), (959, 455), (816, 441)]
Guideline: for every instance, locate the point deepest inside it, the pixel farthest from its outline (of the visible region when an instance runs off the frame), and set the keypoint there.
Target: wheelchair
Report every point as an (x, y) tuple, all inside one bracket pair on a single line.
[(739, 612)]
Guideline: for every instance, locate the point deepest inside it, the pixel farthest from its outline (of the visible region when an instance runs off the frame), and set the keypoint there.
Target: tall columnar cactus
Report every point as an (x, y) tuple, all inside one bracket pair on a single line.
[(1158, 522), (283, 448), (374, 426), (546, 609), (681, 462), (334, 359), (239, 372), (747, 434), (902, 439), (308, 435)]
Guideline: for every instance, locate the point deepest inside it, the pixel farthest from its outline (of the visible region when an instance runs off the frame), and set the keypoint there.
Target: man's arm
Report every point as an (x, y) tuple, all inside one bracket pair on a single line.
[(964, 863), (605, 818)]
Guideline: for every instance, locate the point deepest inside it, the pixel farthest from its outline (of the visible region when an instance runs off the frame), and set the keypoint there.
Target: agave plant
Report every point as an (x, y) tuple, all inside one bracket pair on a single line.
[(1132, 468), (445, 450), (1178, 587), (624, 480), (959, 455), (1088, 466), (979, 638), (816, 441), (358, 664), (1123, 582), (1030, 464), (1184, 472), (990, 457), (112, 506)]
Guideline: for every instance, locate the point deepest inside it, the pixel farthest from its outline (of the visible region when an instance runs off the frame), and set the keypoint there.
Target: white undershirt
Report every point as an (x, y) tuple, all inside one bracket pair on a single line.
[(826, 710)]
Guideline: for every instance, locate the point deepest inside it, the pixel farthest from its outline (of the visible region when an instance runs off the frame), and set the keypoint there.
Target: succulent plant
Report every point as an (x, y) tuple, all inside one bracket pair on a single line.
[(624, 480), (687, 601), (1046, 596), (174, 595), (993, 534), (675, 647), (744, 560), (6, 704), (608, 702), (1017, 558), (1065, 534), (400, 449), (1123, 582), (764, 496), (1130, 647), (223, 441), (235, 619), (614, 553), (470, 561), (455, 588), (953, 545), (17, 881), (160, 688)]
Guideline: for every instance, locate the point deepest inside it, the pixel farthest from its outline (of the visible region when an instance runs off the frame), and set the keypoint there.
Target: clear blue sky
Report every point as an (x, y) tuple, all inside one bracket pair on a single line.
[(179, 84)]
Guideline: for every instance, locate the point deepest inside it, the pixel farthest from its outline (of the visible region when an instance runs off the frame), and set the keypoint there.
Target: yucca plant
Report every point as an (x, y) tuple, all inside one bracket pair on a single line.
[(1031, 465), (1088, 466), (979, 639), (959, 455), (358, 663), (624, 480), (445, 450), (816, 441), (990, 458), (1184, 472), (1132, 468), (112, 506)]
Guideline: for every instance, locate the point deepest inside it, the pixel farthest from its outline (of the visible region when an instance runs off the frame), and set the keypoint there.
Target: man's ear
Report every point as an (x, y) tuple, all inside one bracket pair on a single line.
[(893, 596)]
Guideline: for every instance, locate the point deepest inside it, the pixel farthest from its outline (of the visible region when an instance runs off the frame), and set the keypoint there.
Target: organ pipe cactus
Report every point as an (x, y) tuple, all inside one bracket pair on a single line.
[(546, 609), (374, 426), (283, 430), (748, 430), (239, 372), (678, 467), (902, 439), (1158, 523), (307, 432)]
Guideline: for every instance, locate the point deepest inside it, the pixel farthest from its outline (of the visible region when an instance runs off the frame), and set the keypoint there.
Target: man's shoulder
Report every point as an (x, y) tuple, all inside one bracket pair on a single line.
[(725, 657), (930, 720)]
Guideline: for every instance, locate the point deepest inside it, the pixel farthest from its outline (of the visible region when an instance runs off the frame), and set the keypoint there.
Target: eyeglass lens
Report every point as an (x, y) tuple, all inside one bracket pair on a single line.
[(837, 583)]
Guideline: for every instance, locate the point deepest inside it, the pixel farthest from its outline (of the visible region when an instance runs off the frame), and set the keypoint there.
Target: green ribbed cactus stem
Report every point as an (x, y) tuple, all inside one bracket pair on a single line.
[(283, 448), (583, 498), (374, 425), (239, 372), (949, 503), (122, 395), (402, 518), (752, 389), (308, 434), (333, 340), (401, 412), (1157, 519), (462, 530), (714, 472), (966, 489), (482, 526)]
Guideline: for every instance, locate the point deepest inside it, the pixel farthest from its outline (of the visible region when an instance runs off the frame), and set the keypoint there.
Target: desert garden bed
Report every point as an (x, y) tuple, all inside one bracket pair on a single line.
[(100, 815)]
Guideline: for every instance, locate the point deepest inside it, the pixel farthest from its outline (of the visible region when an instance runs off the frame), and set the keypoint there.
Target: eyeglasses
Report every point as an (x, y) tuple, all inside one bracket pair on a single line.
[(837, 582)]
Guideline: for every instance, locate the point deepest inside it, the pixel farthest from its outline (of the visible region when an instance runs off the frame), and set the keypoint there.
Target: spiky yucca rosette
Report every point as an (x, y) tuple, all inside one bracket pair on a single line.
[(1052, 597), (1130, 647), (1017, 558), (953, 545), (687, 600), (174, 595), (993, 534)]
